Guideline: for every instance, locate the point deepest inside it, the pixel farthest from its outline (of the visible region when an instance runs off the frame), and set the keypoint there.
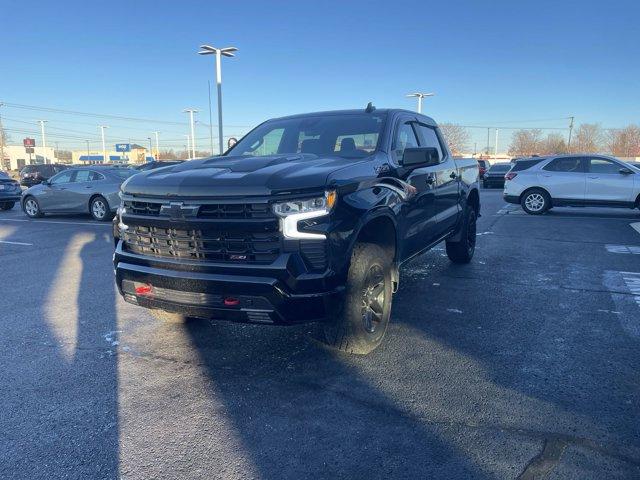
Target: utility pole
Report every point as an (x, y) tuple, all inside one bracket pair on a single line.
[(157, 145), (488, 130), (210, 118), (496, 150), (191, 111), (188, 145), (88, 154), (420, 96), (104, 147), (44, 143), (570, 131), (219, 53), (1, 141), (150, 148)]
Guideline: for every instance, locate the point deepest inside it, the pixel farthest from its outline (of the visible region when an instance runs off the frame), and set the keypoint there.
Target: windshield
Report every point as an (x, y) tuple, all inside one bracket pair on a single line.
[(123, 173), (343, 135)]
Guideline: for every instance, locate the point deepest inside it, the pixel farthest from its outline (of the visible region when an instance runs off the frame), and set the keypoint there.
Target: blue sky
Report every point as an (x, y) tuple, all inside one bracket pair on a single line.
[(489, 62)]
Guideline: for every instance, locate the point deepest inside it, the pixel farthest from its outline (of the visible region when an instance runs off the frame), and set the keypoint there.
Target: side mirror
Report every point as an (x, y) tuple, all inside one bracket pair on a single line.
[(420, 157), (625, 171), (46, 182)]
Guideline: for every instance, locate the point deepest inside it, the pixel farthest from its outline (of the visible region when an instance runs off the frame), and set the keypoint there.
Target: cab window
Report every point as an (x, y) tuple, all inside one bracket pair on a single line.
[(429, 138), (405, 138)]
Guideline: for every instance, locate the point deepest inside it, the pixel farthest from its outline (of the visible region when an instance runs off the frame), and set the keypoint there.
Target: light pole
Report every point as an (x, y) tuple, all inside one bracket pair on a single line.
[(44, 143), (104, 147), (191, 111), (188, 145), (496, 149), (219, 52), (88, 154), (420, 96), (157, 145), (150, 148)]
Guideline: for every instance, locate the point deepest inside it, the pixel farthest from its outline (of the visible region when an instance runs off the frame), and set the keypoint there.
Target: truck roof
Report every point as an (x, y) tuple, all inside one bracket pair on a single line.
[(428, 120)]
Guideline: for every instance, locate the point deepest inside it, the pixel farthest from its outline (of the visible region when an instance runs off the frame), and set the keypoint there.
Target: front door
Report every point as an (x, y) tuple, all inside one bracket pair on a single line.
[(605, 183), (57, 195)]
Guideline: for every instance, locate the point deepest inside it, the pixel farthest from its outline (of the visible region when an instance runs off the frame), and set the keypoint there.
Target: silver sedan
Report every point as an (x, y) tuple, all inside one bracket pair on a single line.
[(92, 190)]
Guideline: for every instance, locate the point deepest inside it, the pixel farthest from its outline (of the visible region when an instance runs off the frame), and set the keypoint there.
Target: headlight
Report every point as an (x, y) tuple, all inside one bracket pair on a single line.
[(292, 212)]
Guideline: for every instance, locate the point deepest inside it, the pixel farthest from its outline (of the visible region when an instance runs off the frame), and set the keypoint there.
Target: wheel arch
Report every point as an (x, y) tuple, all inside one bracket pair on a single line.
[(536, 188), (93, 197)]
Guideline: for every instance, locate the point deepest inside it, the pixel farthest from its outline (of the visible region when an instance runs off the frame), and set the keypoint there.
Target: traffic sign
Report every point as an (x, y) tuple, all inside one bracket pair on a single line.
[(29, 142), (123, 147)]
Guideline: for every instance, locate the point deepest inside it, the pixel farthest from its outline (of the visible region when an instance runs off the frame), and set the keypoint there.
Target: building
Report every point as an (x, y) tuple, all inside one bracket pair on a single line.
[(16, 157), (138, 154)]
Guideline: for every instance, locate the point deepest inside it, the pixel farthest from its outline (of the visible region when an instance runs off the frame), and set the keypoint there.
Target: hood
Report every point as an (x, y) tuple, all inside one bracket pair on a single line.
[(237, 176)]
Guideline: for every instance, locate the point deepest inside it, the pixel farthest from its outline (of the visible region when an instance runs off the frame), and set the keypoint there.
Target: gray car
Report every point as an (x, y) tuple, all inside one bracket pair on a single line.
[(92, 190)]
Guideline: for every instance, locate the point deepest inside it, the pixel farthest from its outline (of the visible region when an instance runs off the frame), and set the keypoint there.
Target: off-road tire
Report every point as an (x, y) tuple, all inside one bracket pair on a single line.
[(462, 251), (361, 322)]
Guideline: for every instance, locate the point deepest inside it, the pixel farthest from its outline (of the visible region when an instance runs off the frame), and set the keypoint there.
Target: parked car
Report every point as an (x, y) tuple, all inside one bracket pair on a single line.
[(34, 174), (306, 218), (92, 190), (156, 164), (494, 177), (483, 166), (9, 192), (573, 180)]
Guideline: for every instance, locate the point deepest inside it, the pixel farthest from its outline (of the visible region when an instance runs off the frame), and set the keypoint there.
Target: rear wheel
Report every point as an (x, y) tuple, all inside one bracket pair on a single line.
[(362, 322), (462, 250), (535, 201), (99, 209), (32, 208), (7, 205)]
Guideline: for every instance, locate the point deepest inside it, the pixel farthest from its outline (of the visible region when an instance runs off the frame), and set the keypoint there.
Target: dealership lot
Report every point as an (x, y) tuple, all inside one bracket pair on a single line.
[(523, 363)]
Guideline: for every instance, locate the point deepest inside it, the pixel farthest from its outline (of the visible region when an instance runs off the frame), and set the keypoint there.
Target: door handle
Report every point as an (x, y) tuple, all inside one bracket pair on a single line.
[(88, 186), (593, 177), (546, 175), (453, 175)]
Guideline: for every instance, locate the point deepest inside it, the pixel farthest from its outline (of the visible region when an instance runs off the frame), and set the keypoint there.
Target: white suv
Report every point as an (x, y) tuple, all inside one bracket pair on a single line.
[(572, 180)]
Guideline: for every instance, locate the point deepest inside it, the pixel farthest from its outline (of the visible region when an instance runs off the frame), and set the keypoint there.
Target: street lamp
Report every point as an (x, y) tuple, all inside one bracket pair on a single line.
[(150, 148), (420, 96), (191, 111), (218, 52), (44, 143), (104, 147), (188, 145), (157, 145)]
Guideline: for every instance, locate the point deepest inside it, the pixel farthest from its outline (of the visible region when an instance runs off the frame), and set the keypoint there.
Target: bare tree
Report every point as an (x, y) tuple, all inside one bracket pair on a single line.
[(457, 137), (624, 142), (553, 144), (167, 155), (526, 142), (588, 138)]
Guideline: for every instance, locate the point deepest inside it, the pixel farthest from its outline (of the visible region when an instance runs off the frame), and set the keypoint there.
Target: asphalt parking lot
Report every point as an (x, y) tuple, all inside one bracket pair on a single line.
[(522, 364)]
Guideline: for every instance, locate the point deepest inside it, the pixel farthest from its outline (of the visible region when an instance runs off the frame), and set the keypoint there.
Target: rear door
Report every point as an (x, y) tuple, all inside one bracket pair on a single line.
[(447, 181), (565, 178), (605, 183), (84, 185)]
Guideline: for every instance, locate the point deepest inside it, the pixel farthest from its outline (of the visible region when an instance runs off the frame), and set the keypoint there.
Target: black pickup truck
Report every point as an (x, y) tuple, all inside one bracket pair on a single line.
[(306, 218)]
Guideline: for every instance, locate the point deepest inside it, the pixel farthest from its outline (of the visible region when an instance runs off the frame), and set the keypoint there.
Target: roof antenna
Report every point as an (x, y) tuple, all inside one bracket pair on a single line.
[(370, 108)]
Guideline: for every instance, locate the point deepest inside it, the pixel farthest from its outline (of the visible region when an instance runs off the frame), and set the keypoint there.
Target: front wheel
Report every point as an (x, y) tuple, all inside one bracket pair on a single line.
[(32, 208), (362, 322), (461, 251), (7, 205), (535, 201)]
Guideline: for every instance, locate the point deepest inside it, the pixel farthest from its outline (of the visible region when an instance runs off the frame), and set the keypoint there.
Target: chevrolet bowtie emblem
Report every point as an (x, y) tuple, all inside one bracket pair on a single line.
[(179, 211)]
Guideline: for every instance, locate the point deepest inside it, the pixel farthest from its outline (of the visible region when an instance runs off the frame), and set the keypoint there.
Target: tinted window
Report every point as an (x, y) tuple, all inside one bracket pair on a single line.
[(524, 164), (569, 164), (64, 177), (123, 173), (405, 138), (500, 167), (82, 176), (601, 165), (429, 138)]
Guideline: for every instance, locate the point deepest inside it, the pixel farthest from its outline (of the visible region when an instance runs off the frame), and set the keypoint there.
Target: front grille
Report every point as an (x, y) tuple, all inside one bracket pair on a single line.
[(212, 211), (314, 253), (213, 245)]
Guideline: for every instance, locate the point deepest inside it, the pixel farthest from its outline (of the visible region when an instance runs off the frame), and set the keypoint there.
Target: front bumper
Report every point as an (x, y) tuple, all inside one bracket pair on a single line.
[(10, 196), (279, 293)]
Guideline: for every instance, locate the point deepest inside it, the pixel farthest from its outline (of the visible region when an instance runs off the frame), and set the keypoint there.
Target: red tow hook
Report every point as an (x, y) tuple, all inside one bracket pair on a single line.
[(144, 289), (231, 302)]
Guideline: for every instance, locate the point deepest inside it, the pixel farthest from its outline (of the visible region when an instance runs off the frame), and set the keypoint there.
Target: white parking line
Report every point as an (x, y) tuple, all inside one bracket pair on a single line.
[(633, 249), (17, 243), (55, 222)]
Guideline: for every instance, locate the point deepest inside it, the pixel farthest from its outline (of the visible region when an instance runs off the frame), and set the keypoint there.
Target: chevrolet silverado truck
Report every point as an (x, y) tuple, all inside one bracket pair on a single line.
[(306, 218)]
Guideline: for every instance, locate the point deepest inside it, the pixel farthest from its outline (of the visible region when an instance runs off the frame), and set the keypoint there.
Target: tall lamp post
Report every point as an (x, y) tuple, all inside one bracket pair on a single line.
[(218, 52), (150, 148), (191, 111), (44, 143), (420, 96), (104, 147), (188, 145), (157, 145)]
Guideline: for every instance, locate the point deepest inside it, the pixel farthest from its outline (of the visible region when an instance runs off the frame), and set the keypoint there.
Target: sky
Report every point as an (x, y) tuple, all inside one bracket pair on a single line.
[(497, 63)]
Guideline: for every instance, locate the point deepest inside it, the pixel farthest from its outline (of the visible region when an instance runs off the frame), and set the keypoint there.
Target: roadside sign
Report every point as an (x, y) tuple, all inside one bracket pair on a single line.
[(123, 147), (28, 149), (29, 142)]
